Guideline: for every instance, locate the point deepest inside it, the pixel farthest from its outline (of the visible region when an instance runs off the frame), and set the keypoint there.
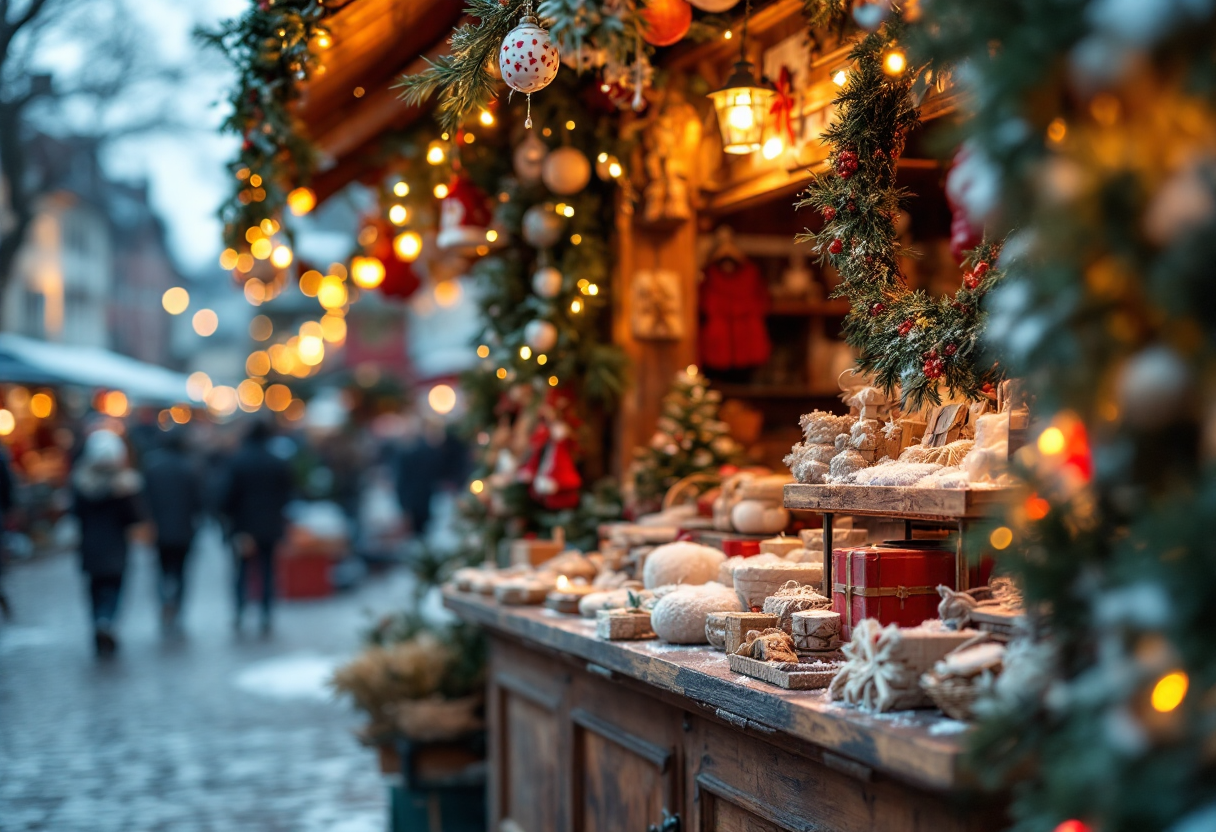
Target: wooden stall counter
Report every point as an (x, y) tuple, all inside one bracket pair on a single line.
[(589, 735)]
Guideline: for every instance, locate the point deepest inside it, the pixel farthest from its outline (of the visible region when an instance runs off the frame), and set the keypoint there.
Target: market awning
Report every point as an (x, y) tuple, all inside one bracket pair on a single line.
[(43, 362)]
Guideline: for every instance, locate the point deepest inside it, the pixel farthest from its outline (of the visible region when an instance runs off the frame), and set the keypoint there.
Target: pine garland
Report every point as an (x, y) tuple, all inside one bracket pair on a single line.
[(903, 337), (274, 48)]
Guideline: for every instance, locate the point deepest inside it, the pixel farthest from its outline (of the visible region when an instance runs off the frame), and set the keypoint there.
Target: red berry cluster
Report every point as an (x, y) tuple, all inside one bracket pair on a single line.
[(973, 278), (835, 247), (846, 163), (829, 214), (877, 309), (950, 349), (934, 367), (906, 327)]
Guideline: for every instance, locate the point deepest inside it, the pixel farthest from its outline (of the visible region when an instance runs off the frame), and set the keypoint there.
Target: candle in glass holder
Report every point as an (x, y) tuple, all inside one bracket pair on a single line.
[(566, 595)]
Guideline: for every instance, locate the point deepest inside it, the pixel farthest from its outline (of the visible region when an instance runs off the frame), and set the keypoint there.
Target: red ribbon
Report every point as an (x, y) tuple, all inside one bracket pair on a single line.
[(783, 106)]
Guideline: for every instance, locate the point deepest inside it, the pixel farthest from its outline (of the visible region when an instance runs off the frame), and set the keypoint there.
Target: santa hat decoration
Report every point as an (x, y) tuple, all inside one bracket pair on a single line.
[(400, 281), (464, 215)]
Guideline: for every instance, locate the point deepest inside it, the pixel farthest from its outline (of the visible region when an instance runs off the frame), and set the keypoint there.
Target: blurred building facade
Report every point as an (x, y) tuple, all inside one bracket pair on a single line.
[(95, 263)]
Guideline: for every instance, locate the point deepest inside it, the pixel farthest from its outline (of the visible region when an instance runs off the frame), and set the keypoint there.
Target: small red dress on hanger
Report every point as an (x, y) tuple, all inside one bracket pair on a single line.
[(733, 300)]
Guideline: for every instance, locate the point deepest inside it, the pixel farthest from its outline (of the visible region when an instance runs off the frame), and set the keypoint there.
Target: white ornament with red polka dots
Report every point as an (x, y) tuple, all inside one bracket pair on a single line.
[(528, 59)]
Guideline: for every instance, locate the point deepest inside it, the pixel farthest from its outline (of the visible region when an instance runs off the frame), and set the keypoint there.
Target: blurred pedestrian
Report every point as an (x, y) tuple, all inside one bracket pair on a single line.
[(175, 501), (105, 494), (429, 458), (258, 488)]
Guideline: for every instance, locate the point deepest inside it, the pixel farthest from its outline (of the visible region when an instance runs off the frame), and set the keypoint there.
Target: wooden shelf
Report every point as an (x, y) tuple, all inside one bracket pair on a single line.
[(901, 502)]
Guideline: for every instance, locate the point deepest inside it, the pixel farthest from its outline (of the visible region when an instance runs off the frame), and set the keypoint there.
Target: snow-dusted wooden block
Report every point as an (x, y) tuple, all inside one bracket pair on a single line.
[(736, 626), (623, 625), (815, 630)]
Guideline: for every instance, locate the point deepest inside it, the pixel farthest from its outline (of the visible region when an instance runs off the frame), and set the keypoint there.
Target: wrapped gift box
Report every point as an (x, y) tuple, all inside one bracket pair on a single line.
[(894, 585)]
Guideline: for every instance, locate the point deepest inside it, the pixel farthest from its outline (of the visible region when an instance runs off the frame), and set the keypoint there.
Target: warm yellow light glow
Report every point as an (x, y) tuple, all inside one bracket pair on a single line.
[(576, 306), (311, 350), (568, 211), (569, 125), (41, 405), (1001, 537), (310, 282), (7, 422), (469, 138), (269, 227), (255, 181), (261, 248), (250, 395), (358, 92), (740, 116), (441, 191), (542, 359), (282, 359), (840, 77), (322, 39), (312, 328), (576, 239), (1169, 691), (491, 236), (1057, 130), (333, 329), (552, 381), (742, 106), (222, 400), (407, 246), (603, 157), (1051, 441), (727, 35), (332, 292), (435, 153), (477, 486), (593, 289), (180, 413), (398, 215), (525, 352), (295, 410), (401, 189), (366, 272), (255, 291), (115, 404), (278, 397), (773, 148), (486, 118), (228, 258), (175, 300), (205, 322), (894, 62), (483, 351), (691, 370), (198, 385), (560, 208), (301, 200), (260, 328), (244, 262), (614, 170), (281, 257), (442, 399), (447, 293), (501, 372), (258, 363)]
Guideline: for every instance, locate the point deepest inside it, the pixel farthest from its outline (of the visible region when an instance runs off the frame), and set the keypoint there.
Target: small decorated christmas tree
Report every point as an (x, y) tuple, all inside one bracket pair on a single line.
[(689, 439)]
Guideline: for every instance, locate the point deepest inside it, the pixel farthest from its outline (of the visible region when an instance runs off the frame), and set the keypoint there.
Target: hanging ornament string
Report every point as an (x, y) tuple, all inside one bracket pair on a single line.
[(528, 59)]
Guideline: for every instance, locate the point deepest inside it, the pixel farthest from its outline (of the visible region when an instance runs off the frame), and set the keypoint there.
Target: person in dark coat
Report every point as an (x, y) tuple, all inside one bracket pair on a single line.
[(175, 501), (105, 499), (429, 458), (258, 489)]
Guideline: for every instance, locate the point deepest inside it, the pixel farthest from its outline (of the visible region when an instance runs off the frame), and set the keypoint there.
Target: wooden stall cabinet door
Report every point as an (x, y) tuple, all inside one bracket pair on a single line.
[(624, 783), (530, 766)]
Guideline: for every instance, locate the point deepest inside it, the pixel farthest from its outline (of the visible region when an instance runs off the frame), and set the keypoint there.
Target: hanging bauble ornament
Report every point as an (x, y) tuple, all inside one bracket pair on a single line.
[(528, 159), (540, 335), (541, 226), (714, 6), (566, 171), (528, 59), (666, 21), (547, 282)]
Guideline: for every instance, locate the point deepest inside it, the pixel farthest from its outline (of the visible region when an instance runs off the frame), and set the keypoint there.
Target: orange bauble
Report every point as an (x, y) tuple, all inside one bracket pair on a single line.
[(666, 21)]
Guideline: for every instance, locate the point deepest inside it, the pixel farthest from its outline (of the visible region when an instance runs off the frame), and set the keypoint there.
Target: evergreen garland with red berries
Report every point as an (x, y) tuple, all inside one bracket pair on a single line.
[(906, 338)]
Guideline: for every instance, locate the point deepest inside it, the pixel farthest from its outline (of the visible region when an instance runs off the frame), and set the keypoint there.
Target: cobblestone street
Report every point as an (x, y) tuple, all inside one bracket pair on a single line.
[(215, 732)]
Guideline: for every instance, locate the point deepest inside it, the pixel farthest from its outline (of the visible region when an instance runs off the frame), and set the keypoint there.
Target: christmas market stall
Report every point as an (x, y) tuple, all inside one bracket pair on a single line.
[(828, 431)]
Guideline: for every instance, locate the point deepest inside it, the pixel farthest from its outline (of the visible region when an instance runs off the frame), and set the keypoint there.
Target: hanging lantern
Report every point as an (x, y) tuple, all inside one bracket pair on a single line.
[(743, 103)]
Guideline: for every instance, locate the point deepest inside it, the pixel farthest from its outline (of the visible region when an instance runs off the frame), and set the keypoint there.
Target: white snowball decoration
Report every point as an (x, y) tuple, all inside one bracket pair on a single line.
[(540, 335), (759, 517), (679, 617), (614, 599), (566, 171), (547, 282), (541, 226), (681, 563)]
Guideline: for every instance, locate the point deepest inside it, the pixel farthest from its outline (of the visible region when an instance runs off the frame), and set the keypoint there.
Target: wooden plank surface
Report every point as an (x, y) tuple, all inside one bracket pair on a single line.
[(896, 501), (922, 747)]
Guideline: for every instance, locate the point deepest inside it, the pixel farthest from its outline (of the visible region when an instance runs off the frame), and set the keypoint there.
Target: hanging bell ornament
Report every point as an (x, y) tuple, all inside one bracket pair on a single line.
[(528, 59)]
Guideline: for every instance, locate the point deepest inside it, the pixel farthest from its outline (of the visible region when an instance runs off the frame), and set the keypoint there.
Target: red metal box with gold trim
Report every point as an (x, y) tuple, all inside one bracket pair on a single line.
[(892, 584)]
